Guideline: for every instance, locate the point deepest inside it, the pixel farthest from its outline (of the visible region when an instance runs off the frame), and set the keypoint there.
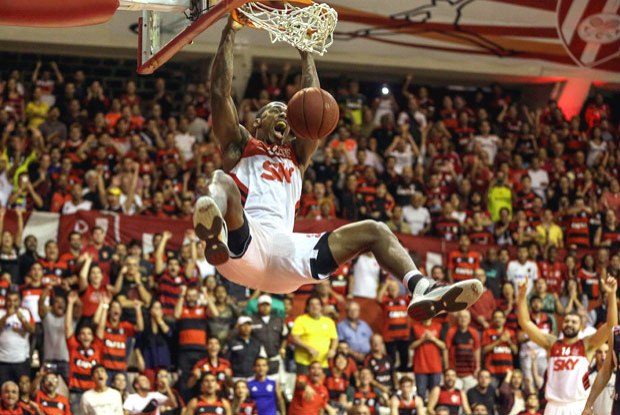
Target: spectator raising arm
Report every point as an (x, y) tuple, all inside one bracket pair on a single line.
[(160, 263), (72, 300)]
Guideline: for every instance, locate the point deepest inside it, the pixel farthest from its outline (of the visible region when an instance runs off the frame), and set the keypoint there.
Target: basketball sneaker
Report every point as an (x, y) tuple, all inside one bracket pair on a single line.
[(430, 299), (210, 226)]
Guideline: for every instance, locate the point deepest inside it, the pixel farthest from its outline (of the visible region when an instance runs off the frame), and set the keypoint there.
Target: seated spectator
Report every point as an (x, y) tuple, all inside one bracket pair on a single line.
[(355, 332), (310, 396), (337, 381), (483, 393), (380, 365), (144, 400), (242, 403), (366, 275), (405, 400), (9, 399), (397, 222), (448, 395), (513, 393), (366, 393), (521, 268), (47, 397), (571, 299), (119, 382), (100, 400), (208, 399)]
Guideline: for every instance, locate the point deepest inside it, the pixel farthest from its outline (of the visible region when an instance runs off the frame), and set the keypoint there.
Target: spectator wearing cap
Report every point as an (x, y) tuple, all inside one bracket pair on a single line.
[(100, 400), (271, 332), (314, 336), (243, 349), (16, 326), (355, 331)]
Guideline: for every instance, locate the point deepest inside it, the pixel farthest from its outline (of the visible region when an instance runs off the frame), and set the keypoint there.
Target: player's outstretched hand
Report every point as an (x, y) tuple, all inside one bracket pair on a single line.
[(233, 24), (522, 289)]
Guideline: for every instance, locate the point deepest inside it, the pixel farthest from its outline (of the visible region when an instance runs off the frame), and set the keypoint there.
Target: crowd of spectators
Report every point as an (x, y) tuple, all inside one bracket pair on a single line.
[(100, 329)]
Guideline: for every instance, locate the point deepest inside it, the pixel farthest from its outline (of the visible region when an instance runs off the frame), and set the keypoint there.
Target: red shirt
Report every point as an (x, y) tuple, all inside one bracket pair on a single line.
[(59, 405), (427, 357), (90, 300), (301, 406), (81, 361)]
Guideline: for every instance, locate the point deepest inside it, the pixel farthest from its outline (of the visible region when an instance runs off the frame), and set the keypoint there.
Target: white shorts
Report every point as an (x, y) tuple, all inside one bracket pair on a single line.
[(565, 408), (275, 262)]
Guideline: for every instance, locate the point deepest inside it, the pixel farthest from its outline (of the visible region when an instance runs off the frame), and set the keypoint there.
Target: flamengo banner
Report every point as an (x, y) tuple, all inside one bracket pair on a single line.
[(124, 228)]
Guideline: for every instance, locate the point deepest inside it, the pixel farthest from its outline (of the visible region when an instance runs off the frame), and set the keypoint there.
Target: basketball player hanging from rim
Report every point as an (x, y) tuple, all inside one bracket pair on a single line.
[(568, 370), (248, 215)]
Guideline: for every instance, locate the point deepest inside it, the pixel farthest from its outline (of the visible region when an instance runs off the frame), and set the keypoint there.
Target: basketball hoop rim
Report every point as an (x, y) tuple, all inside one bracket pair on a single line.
[(237, 18)]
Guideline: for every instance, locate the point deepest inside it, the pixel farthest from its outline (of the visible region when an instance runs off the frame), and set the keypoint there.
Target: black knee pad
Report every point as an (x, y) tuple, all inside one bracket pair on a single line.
[(239, 239), (323, 262)]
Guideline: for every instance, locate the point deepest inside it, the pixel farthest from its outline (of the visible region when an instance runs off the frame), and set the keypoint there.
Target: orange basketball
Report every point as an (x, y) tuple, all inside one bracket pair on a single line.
[(313, 113)]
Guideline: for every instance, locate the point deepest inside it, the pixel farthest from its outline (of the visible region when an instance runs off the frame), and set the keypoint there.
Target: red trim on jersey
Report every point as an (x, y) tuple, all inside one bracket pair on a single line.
[(256, 147), (243, 189)]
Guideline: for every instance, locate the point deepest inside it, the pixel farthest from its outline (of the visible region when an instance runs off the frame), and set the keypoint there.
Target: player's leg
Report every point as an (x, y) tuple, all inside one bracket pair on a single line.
[(219, 220), (428, 299)]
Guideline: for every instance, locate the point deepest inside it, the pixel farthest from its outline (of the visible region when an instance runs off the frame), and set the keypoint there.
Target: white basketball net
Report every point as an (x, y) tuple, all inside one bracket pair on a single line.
[(309, 28)]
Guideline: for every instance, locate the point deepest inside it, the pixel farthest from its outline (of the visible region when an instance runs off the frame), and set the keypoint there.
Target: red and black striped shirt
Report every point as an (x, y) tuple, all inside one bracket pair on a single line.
[(115, 345)]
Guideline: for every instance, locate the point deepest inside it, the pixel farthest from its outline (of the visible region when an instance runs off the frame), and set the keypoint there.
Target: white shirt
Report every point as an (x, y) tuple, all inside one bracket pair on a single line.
[(54, 340), (6, 188), (489, 144), (366, 271), (184, 142), (149, 404), (420, 118), (540, 181), (108, 402), (69, 207), (604, 402), (417, 218), (516, 272), (14, 340)]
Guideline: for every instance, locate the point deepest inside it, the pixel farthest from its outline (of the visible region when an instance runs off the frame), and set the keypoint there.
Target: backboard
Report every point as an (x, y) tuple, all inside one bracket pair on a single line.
[(166, 26)]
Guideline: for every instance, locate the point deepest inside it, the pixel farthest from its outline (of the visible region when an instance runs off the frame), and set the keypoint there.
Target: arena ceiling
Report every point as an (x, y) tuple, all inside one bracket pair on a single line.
[(537, 40)]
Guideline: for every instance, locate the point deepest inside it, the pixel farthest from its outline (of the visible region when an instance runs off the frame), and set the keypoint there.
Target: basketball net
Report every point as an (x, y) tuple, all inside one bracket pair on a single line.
[(309, 28)]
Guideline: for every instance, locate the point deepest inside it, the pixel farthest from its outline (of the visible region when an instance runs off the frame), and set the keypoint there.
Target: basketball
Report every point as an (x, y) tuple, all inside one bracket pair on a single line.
[(313, 113)]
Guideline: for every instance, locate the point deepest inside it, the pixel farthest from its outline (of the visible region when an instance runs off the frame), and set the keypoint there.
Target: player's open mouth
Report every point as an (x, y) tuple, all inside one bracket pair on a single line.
[(280, 129)]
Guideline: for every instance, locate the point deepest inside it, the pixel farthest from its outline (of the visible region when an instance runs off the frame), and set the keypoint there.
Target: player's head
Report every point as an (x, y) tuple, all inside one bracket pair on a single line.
[(571, 325), (271, 124)]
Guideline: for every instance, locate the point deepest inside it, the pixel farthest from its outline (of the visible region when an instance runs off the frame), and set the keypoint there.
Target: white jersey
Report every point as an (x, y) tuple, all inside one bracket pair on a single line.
[(568, 373), (269, 180), (276, 259)]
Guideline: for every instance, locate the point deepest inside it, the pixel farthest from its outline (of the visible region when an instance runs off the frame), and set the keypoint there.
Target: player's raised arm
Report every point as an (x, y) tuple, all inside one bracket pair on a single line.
[(602, 377), (305, 148), (226, 127), (593, 342), (535, 334)]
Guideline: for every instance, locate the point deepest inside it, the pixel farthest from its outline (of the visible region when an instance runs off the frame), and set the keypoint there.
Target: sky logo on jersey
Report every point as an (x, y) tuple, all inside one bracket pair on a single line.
[(564, 364), (277, 172)]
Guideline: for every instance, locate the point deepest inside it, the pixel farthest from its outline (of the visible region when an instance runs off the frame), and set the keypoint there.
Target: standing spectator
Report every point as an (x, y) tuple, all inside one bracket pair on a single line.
[(198, 127), (144, 401), (265, 392), (270, 331), (100, 400), (462, 263), (214, 364), (52, 128), (85, 355), (36, 110), (549, 233), (47, 397), (483, 393), (397, 222), (220, 325), (311, 396), (366, 274), (153, 341), (463, 343), (208, 400), (314, 336), (16, 326), (191, 327), (448, 395), (499, 197), (355, 331), (428, 356), (55, 350), (102, 253), (243, 350), (482, 310), (162, 98), (554, 272), (116, 334), (540, 178), (489, 142), (499, 345), (551, 301), (46, 83), (405, 400), (522, 269), (417, 215), (396, 329), (512, 393)]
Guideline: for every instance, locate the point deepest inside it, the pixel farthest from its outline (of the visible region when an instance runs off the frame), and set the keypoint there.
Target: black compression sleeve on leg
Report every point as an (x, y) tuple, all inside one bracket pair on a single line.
[(239, 239), (324, 262)]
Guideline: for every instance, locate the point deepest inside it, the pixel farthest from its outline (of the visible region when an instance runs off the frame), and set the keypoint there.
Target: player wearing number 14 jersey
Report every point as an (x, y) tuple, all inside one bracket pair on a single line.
[(247, 217), (568, 371)]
